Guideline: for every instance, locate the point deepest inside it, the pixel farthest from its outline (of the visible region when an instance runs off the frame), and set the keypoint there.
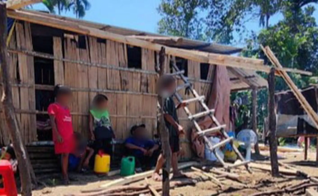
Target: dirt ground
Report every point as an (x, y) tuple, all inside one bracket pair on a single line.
[(250, 183)]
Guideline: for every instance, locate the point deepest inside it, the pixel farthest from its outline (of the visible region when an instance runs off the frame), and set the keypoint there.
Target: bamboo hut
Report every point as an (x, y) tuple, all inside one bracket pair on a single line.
[(92, 58)]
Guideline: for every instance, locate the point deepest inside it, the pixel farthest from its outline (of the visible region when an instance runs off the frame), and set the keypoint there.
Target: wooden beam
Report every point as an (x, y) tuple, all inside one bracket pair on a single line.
[(242, 78), (204, 57), (268, 168), (272, 124), (140, 176), (164, 133), (17, 4), (302, 100), (159, 39)]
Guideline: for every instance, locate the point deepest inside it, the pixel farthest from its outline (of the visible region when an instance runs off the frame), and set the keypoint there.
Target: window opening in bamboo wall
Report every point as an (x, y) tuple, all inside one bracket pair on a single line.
[(182, 64), (134, 57), (43, 75), (204, 70)]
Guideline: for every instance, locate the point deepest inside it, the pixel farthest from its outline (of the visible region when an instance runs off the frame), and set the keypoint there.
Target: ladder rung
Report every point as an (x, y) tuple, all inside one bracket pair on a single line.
[(239, 164), (198, 115), (194, 99), (222, 143), (183, 86), (212, 130), (176, 73)]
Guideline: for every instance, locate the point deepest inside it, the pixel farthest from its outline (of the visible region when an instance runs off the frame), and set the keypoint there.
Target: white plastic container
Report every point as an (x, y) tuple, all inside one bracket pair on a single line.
[(209, 155)]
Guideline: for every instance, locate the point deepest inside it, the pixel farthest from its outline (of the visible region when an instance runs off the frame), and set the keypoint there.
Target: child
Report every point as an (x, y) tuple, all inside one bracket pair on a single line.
[(100, 126), (79, 159), (167, 87), (7, 153), (144, 150), (62, 128)]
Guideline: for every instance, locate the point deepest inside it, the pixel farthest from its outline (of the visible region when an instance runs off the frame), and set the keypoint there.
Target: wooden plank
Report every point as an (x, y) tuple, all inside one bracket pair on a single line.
[(17, 4), (121, 123), (58, 65), (214, 179), (204, 57), (302, 100), (268, 168), (31, 81), (140, 176), (23, 73)]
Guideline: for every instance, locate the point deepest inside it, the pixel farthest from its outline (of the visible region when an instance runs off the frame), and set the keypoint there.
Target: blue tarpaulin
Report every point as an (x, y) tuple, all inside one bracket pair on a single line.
[(10, 22)]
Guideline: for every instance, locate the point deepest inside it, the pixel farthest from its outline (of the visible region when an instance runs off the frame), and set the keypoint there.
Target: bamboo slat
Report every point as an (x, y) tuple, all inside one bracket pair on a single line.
[(31, 80), (13, 72), (83, 97), (112, 59), (23, 61), (92, 70), (58, 65), (72, 77), (101, 58), (123, 62), (121, 105)]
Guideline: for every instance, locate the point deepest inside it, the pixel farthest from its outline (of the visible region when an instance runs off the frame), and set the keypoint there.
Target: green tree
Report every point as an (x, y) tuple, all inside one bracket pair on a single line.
[(79, 7), (182, 18)]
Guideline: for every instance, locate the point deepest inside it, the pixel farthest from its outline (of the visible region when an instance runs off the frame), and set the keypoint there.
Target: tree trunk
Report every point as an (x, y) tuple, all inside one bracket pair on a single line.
[(164, 134), (254, 118), (8, 108), (272, 123)]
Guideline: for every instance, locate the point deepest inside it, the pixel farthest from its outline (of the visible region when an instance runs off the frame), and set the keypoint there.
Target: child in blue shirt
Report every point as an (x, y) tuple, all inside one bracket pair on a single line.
[(144, 150)]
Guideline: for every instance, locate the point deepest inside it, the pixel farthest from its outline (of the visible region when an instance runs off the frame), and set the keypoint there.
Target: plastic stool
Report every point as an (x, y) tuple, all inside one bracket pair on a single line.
[(9, 187)]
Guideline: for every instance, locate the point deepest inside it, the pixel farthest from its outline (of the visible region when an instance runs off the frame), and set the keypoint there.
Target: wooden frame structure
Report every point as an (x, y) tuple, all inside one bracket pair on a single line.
[(100, 65)]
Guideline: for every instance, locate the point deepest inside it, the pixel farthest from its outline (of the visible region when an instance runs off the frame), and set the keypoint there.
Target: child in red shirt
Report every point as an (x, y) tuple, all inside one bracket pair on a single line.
[(62, 128)]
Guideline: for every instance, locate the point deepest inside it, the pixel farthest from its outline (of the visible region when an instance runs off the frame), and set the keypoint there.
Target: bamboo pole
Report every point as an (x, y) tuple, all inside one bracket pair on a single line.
[(13, 126), (272, 123)]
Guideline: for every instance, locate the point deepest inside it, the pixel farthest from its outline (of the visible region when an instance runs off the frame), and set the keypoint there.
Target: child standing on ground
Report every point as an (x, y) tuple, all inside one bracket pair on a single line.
[(62, 128), (167, 87), (100, 126)]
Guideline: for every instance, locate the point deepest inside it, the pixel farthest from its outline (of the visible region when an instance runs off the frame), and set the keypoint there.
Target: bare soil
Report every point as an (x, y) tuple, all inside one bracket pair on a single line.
[(258, 181)]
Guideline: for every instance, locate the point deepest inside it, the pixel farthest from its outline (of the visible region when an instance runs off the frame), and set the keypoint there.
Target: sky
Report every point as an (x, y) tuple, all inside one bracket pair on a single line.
[(137, 14)]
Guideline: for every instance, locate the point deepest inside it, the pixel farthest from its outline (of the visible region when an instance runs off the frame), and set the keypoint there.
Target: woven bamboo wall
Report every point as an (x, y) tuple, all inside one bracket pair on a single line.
[(131, 92)]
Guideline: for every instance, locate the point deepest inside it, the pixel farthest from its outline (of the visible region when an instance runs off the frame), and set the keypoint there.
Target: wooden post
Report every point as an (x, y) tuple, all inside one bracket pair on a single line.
[(272, 123), (13, 126), (316, 151), (254, 117), (306, 149), (164, 134)]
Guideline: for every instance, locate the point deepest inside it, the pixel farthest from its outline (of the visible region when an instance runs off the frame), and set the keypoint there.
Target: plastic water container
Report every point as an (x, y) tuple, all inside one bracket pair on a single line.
[(9, 187), (127, 166), (209, 155), (102, 163)]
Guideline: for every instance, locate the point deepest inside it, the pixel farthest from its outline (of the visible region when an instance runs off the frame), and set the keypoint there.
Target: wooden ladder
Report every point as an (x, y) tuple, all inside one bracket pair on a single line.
[(206, 112)]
